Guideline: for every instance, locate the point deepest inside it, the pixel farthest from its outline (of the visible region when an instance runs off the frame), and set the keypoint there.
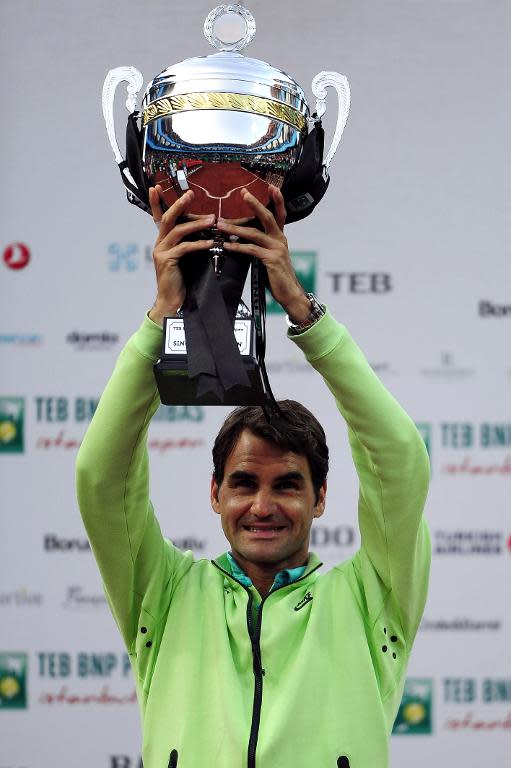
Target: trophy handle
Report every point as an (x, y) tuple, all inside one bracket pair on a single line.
[(319, 85), (135, 80)]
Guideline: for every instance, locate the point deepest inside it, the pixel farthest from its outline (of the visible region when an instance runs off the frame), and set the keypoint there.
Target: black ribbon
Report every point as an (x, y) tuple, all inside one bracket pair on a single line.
[(209, 312)]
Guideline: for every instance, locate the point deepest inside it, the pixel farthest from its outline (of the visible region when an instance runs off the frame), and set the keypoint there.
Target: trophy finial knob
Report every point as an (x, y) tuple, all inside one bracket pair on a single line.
[(224, 10)]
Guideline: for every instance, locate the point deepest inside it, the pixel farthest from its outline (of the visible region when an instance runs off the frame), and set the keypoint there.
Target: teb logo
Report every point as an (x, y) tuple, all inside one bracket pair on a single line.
[(13, 680), (12, 410), (415, 711), (16, 256), (304, 263)]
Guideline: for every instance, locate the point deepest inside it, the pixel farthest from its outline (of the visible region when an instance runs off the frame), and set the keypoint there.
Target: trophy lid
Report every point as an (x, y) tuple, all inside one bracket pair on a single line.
[(227, 72)]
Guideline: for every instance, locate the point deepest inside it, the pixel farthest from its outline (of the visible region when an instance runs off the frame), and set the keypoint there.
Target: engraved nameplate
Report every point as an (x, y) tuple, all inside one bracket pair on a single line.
[(175, 342)]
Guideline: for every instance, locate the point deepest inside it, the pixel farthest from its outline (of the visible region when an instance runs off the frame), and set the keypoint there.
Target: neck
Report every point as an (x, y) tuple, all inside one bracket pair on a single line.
[(262, 575)]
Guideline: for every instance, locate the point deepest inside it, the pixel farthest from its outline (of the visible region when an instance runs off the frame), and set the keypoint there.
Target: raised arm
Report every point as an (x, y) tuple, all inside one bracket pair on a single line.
[(136, 564), (393, 469)]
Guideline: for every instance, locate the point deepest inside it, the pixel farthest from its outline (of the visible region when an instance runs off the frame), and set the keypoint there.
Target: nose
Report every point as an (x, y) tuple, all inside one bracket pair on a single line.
[(263, 505)]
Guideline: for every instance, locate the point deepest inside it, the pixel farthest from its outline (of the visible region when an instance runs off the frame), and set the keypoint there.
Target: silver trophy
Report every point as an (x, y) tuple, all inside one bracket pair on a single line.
[(218, 124)]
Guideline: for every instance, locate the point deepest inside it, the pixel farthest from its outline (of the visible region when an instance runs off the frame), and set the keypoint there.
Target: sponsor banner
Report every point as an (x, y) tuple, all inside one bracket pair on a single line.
[(13, 680), (295, 363), (425, 432), (59, 679), (476, 704), (462, 704), (20, 340), (471, 543), (124, 257), (361, 283), (12, 424), (92, 340), (58, 414), (16, 256), (305, 265), (21, 598), (78, 598), (54, 543), (174, 413), (124, 761), (415, 713), (493, 309), (447, 368), (464, 624), (338, 537), (471, 449), (194, 543)]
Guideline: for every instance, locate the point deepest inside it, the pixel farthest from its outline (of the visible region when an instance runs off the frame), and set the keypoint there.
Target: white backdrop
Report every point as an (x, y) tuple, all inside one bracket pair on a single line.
[(410, 249)]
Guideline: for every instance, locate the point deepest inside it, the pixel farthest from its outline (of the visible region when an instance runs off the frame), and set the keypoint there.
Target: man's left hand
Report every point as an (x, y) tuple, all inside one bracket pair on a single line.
[(271, 248)]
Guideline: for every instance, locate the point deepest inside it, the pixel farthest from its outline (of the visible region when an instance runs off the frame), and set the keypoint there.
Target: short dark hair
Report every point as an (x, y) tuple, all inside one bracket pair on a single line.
[(294, 429)]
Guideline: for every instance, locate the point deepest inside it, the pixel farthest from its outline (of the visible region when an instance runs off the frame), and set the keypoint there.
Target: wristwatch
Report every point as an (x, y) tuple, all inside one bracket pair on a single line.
[(317, 311)]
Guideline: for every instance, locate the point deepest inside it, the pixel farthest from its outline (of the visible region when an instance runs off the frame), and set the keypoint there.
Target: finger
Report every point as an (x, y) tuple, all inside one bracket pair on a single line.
[(263, 214), (246, 233), (180, 231), (279, 205), (176, 210), (201, 245), (249, 249), (154, 202)]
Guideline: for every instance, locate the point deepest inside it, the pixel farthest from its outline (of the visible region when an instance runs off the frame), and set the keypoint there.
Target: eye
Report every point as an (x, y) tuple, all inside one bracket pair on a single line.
[(286, 485), (243, 482)]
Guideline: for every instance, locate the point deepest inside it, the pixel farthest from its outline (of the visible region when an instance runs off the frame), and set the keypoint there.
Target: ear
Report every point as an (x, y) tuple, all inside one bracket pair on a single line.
[(215, 504), (319, 508)]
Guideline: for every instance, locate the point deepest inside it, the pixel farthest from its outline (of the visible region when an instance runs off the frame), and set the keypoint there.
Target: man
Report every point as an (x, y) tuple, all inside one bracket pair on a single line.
[(255, 658)]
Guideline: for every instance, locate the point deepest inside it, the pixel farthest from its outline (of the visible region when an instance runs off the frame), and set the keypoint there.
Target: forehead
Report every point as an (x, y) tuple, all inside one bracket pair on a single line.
[(254, 454)]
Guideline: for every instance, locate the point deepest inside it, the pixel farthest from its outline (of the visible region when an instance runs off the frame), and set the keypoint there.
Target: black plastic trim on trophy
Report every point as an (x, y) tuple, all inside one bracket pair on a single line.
[(134, 157), (138, 193), (306, 183)]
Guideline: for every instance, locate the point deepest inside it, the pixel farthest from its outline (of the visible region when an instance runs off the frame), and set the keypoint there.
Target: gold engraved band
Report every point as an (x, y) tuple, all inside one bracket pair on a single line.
[(230, 101)]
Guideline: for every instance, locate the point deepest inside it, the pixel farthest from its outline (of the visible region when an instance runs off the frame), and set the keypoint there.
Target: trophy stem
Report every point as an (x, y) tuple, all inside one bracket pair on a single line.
[(217, 251)]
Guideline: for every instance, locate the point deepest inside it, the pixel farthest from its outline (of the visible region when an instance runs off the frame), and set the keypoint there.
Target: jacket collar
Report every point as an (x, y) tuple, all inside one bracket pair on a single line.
[(313, 564)]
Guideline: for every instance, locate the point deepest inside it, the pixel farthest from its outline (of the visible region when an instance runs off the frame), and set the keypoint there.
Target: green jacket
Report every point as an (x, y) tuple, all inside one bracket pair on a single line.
[(316, 680)]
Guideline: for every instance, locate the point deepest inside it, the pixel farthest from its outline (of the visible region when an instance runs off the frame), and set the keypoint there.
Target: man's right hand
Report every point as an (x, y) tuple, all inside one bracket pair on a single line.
[(169, 249)]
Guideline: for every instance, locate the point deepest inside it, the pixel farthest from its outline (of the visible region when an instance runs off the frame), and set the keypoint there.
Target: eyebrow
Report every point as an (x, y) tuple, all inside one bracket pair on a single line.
[(241, 475)]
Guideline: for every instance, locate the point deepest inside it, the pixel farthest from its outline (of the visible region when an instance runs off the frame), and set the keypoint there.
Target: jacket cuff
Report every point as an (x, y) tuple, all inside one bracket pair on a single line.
[(321, 338), (148, 339)]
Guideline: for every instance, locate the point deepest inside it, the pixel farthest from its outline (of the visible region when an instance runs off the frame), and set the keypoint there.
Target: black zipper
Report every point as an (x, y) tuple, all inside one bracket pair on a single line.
[(258, 678), (256, 658)]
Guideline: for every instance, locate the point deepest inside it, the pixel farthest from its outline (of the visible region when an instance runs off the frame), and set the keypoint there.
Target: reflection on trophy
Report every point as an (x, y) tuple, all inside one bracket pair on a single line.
[(219, 124)]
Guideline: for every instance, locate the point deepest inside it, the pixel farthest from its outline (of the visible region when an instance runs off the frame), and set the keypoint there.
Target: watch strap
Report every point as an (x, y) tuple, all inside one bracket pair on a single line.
[(317, 311)]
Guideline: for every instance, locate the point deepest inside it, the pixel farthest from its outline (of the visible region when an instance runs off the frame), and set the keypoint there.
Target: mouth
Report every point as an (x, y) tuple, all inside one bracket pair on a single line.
[(264, 531)]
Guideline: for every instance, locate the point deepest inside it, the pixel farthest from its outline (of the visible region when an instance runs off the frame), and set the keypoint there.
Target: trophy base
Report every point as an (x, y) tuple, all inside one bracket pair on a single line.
[(176, 388), (171, 370)]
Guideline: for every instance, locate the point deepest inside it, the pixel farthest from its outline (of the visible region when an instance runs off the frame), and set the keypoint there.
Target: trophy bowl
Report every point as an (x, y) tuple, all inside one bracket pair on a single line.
[(218, 124)]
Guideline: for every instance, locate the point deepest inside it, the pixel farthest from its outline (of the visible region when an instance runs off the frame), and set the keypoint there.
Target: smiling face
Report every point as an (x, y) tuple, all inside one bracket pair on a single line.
[(267, 503)]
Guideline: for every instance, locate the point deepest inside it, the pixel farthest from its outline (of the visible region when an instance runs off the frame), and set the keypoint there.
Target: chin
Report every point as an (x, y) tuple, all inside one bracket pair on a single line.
[(264, 555)]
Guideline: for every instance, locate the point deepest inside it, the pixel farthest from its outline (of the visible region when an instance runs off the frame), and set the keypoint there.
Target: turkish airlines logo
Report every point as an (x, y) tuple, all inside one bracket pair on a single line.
[(16, 256)]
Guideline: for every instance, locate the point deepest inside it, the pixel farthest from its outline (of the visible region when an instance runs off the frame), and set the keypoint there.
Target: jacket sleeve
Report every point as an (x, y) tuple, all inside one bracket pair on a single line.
[(112, 476), (393, 469)]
